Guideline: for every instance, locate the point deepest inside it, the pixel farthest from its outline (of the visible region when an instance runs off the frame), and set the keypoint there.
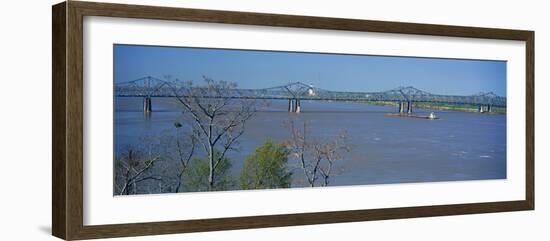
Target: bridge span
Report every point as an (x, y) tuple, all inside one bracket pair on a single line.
[(149, 87)]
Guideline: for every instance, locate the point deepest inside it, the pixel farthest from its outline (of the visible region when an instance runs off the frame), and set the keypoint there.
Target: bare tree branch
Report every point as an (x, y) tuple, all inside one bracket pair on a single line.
[(216, 117), (315, 158), (133, 169)]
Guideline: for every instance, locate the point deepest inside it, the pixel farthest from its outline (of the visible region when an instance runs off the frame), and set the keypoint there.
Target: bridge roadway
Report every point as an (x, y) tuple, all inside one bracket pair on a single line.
[(405, 97)]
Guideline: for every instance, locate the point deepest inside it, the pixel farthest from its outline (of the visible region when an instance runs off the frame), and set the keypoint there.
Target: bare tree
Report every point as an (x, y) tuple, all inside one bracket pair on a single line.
[(315, 158), (133, 168), (331, 151), (218, 119), (184, 154), (298, 145)]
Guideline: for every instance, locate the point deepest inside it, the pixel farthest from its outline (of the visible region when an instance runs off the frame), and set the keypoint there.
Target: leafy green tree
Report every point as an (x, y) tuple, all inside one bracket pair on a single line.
[(196, 177), (266, 168)]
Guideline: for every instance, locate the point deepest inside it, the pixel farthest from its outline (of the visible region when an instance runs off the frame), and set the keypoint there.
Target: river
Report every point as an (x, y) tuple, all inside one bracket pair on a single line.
[(384, 149)]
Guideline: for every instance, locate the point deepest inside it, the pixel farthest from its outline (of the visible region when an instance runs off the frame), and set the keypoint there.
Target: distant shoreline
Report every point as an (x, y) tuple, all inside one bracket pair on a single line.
[(440, 106)]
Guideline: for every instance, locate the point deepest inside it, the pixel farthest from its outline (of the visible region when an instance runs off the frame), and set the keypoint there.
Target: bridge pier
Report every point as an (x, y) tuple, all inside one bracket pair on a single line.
[(409, 107), (483, 108), (480, 109), (401, 107), (147, 107), (294, 105)]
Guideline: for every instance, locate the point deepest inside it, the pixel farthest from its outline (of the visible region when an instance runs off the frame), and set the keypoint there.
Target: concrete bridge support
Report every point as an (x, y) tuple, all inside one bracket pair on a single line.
[(147, 107), (409, 107), (294, 105), (483, 108), (401, 107)]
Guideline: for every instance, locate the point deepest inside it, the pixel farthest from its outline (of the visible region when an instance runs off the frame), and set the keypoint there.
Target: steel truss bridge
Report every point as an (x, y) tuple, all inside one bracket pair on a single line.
[(149, 87)]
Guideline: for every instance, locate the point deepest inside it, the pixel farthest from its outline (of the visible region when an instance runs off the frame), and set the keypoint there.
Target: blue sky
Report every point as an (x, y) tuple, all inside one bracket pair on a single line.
[(262, 69)]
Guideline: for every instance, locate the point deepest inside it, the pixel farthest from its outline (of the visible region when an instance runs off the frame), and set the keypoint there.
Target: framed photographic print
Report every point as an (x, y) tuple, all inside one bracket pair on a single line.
[(171, 120)]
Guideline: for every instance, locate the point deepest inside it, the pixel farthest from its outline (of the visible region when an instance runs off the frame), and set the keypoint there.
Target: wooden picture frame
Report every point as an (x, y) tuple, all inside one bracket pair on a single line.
[(67, 150)]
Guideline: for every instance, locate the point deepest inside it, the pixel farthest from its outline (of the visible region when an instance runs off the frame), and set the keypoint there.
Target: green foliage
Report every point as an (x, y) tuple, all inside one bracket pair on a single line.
[(266, 168), (195, 178)]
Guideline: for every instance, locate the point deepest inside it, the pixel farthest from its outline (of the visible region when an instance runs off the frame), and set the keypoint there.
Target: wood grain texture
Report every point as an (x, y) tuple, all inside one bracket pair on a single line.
[(67, 136), (59, 192), (121, 230), (530, 120), (74, 121), (279, 20)]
